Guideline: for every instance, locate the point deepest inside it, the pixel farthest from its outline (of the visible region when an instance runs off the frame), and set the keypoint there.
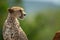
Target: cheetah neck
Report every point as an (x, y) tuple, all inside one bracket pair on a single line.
[(12, 21)]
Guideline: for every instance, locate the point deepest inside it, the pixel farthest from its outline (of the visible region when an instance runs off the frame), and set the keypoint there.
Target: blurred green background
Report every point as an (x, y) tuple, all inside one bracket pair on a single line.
[(42, 20)]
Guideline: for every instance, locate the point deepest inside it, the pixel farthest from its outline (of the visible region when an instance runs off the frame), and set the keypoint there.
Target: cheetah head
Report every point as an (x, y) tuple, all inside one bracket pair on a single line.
[(17, 12)]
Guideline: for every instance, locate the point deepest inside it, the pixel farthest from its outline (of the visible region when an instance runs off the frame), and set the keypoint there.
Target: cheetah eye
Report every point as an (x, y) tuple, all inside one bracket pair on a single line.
[(20, 10)]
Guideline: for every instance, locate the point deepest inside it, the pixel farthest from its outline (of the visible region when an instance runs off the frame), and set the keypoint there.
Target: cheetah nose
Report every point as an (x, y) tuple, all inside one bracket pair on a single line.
[(24, 14)]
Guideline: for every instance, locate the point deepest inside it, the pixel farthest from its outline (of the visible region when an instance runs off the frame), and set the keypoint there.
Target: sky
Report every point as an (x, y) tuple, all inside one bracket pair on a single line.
[(53, 1), (42, 0), (33, 4)]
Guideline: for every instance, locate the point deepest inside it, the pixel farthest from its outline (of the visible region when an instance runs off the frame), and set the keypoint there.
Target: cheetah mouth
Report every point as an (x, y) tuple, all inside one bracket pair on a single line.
[(21, 17)]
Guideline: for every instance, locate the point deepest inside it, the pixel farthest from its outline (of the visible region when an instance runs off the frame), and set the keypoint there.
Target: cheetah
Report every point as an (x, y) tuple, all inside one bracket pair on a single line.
[(12, 29)]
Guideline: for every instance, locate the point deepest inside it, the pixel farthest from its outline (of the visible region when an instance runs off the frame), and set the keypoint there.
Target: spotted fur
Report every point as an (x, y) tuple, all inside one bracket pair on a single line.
[(11, 28)]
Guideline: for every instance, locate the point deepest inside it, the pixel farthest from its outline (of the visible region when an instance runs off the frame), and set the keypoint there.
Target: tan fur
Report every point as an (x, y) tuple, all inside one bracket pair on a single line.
[(11, 28)]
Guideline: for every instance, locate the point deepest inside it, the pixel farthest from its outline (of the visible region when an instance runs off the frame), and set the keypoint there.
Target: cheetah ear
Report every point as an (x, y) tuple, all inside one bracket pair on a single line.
[(10, 10)]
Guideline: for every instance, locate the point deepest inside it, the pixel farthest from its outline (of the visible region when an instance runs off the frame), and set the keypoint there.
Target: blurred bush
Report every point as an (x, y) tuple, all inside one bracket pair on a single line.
[(3, 7)]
